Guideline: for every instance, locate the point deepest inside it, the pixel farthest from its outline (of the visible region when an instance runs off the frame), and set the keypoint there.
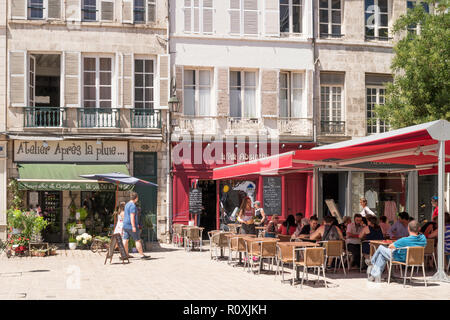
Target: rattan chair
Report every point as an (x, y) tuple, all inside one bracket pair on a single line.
[(262, 250), (429, 250), (335, 249), (177, 234), (285, 254), (373, 247), (312, 258), (414, 258), (218, 240), (238, 245), (192, 236), (213, 242), (448, 262), (284, 238)]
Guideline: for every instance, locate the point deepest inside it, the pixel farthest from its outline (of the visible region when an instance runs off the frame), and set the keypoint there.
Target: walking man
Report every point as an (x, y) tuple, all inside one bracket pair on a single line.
[(130, 225)]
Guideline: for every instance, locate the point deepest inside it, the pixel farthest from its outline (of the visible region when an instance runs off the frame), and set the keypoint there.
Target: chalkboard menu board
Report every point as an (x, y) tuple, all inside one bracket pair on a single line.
[(272, 195), (116, 239), (195, 201)]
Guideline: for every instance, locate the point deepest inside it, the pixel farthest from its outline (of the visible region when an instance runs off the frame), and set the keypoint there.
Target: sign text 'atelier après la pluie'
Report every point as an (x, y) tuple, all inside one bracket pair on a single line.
[(81, 151)]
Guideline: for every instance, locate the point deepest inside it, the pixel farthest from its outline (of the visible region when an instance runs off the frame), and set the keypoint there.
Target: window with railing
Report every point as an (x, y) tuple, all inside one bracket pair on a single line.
[(331, 106), (291, 94), (375, 96), (243, 94), (197, 92)]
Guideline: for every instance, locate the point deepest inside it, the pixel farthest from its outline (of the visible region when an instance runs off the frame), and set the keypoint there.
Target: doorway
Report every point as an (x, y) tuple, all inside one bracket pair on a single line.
[(208, 217), (334, 187)]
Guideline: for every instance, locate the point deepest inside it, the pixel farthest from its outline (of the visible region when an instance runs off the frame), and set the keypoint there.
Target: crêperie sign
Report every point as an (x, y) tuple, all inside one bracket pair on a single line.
[(272, 195), (195, 201)]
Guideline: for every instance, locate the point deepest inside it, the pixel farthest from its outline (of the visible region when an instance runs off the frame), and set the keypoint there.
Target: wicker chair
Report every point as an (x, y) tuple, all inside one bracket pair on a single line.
[(414, 258), (193, 235), (335, 249), (262, 250), (177, 234), (373, 247), (312, 258), (238, 245), (284, 238), (213, 242), (285, 254), (429, 250)]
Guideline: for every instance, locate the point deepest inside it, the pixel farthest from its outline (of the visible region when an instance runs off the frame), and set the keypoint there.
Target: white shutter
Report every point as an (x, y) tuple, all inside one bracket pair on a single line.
[(73, 10), (163, 76), (187, 16), (118, 76), (127, 80), (18, 9), (208, 14), (250, 17), (151, 11), (272, 18), (235, 16), (54, 9), (196, 13), (127, 11), (17, 76), (72, 77), (107, 10)]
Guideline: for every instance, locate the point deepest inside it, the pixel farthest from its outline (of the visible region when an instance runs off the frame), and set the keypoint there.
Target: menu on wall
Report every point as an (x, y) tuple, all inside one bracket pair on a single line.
[(195, 201), (272, 195)]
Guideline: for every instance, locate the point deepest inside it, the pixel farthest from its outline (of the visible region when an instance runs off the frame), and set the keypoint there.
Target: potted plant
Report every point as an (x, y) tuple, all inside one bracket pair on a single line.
[(84, 240), (16, 220), (148, 225), (72, 243), (52, 250), (41, 252)]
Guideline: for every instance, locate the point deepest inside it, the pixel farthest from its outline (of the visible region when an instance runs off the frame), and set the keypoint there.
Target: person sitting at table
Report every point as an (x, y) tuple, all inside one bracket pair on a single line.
[(383, 254), (352, 239), (429, 227), (272, 227), (370, 232), (245, 217), (308, 229), (346, 220), (259, 213), (288, 226), (328, 231), (400, 228), (385, 226)]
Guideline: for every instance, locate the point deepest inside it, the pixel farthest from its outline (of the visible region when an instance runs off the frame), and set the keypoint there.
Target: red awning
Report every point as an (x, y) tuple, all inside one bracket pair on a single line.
[(407, 149)]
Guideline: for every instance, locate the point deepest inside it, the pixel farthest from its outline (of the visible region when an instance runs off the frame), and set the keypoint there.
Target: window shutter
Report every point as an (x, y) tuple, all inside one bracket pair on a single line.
[(18, 9), (187, 16), (127, 11), (151, 11), (72, 85), (17, 86), (235, 16), (119, 73), (208, 13), (54, 9), (179, 84), (269, 92), (127, 80), (196, 11), (73, 10), (251, 17), (272, 18), (164, 72), (223, 100), (107, 11)]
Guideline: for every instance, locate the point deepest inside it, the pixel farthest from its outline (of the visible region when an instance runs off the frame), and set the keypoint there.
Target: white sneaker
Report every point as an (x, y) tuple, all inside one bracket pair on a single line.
[(369, 269), (368, 262)]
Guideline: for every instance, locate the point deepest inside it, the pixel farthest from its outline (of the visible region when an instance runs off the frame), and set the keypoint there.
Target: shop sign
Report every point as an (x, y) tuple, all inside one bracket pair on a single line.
[(71, 151)]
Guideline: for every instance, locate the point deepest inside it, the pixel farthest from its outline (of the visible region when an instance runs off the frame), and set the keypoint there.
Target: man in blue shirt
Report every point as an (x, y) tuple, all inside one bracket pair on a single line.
[(383, 254), (130, 225)]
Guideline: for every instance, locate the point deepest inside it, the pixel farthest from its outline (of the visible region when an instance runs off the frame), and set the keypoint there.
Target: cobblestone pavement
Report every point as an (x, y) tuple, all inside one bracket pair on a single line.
[(173, 273)]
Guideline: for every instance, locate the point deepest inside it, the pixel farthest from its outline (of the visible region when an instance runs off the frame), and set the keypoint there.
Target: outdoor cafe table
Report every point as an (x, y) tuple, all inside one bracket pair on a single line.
[(297, 244), (382, 242), (249, 242)]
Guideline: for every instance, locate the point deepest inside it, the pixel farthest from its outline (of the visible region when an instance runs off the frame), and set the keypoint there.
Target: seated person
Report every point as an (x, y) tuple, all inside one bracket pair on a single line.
[(288, 226), (371, 232), (328, 231), (385, 226), (434, 234), (272, 227), (309, 228), (429, 227), (353, 241), (400, 228), (343, 226), (383, 254)]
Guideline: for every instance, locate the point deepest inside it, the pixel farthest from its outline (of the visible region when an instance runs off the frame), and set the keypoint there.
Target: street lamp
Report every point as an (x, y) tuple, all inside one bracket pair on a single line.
[(174, 104)]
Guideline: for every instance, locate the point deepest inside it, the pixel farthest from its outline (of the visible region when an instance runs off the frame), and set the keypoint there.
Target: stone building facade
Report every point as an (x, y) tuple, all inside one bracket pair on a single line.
[(87, 72)]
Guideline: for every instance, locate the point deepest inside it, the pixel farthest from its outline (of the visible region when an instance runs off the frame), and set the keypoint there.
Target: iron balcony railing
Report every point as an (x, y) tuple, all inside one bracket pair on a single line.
[(332, 127), (145, 118), (98, 118), (43, 117)]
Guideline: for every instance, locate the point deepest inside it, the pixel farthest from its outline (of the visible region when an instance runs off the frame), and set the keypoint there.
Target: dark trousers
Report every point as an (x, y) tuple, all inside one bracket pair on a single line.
[(356, 253)]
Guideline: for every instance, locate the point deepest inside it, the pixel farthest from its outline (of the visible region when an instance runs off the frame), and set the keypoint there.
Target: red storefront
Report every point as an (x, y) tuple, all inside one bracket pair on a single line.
[(193, 165)]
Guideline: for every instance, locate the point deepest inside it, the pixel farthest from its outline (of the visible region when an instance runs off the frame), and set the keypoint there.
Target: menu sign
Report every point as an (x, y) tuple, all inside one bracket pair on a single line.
[(272, 195), (195, 201), (70, 151)]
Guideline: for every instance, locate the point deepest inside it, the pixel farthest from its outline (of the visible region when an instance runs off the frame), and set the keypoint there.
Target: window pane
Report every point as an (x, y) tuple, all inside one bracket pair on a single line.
[(296, 2), (105, 64), (105, 104), (284, 18), (89, 64), (283, 80), (297, 81), (324, 16), (323, 28), (296, 111), (235, 78), (383, 32), (336, 16), (383, 20), (148, 66), (204, 101), (189, 77), (148, 94), (335, 4), (383, 5), (250, 79), (138, 65), (250, 103), (89, 93), (138, 94), (297, 19), (148, 80), (105, 78), (105, 93), (323, 4), (89, 78), (138, 80), (235, 102), (336, 29), (204, 78)]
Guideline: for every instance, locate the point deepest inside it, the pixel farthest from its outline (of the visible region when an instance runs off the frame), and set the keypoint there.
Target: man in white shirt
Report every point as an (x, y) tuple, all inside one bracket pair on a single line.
[(366, 210)]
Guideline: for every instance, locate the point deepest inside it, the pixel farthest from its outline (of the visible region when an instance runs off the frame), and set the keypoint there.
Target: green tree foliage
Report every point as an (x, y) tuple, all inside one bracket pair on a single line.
[(420, 91)]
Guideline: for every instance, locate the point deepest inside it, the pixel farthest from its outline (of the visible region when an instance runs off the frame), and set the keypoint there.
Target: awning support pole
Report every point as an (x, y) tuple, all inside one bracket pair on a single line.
[(440, 275)]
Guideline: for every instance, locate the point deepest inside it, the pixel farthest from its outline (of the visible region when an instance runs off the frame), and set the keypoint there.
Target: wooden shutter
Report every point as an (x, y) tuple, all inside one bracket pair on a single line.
[(72, 84), (73, 10), (18, 9), (151, 11), (107, 10), (250, 17), (269, 92), (17, 74), (127, 11), (223, 99), (235, 16), (119, 72), (272, 18), (179, 84), (127, 80), (208, 14), (187, 16), (54, 9), (164, 72)]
